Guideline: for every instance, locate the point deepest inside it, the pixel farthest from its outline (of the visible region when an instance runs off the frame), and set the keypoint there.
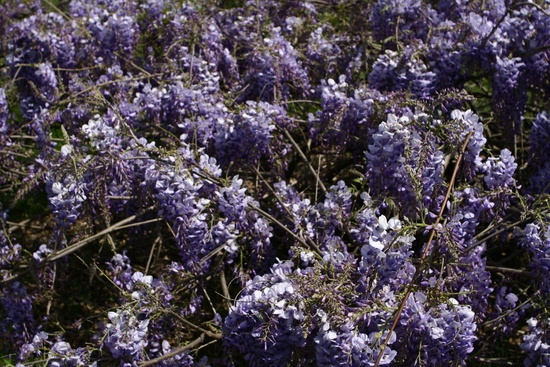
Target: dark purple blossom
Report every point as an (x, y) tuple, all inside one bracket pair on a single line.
[(438, 335), (385, 259), (111, 25), (345, 121), (265, 325), (445, 59), (400, 21), (61, 354), (506, 315), (126, 335), (538, 244), (469, 122), (10, 252), (323, 53), (510, 92), (540, 133), (66, 196), (241, 225), (499, 172), (197, 111), (120, 271), (398, 72), (535, 343), (347, 347), (272, 71), (3, 116), (35, 346), (252, 135), (17, 323)]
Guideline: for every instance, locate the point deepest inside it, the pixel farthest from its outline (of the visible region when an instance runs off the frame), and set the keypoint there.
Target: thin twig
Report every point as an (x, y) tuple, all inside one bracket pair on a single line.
[(211, 254), (29, 137), (150, 258), (69, 250), (498, 361), (173, 353), (140, 223), (52, 287), (301, 101), (311, 245), (19, 173), (318, 172), (277, 196), (508, 270), (118, 197), (496, 233), (75, 247), (209, 300), (301, 153), (196, 327), (15, 154), (13, 225), (520, 306), (420, 267), (225, 289)]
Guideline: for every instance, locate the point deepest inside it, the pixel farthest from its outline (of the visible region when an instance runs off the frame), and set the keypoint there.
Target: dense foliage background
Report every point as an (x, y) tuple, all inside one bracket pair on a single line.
[(274, 183)]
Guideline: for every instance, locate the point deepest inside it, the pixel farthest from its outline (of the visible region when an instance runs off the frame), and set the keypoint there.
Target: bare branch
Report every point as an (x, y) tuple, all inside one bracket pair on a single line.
[(173, 353)]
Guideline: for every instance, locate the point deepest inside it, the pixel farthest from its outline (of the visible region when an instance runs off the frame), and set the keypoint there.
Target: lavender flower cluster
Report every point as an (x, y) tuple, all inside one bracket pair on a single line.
[(269, 183)]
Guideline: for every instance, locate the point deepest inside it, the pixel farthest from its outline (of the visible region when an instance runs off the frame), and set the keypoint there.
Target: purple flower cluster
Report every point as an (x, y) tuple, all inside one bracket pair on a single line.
[(265, 323), (125, 335), (331, 313), (66, 197), (254, 129), (395, 72), (507, 314), (540, 132), (279, 320), (251, 183), (17, 317), (60, 353), (3, 115), (385, 256), (129, 333), (10, 253), (537, 243), (535, 343), (400, 21), (442, 334), (17, 322), (402, 163)]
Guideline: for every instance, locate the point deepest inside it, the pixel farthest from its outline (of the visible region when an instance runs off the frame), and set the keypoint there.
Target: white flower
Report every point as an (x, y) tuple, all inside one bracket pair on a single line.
[(66, 150)]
